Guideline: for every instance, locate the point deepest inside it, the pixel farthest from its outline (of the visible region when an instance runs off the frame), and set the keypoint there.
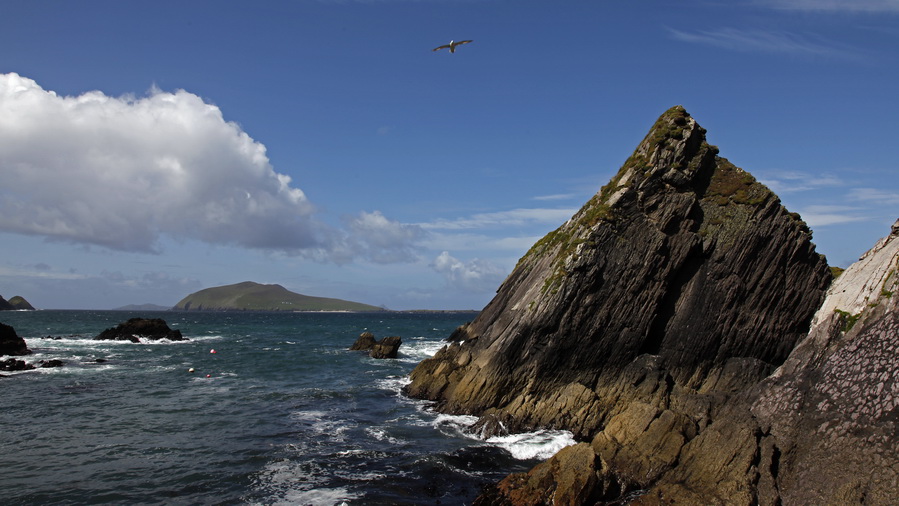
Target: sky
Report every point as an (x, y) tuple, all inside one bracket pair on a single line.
[(152, 149)]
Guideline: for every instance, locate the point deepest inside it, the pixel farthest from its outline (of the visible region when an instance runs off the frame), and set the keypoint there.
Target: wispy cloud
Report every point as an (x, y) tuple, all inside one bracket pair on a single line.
[(823, 215), (874, 196), (870, 6), (783, 182), (558, 196), (514, 217), (763, 41)]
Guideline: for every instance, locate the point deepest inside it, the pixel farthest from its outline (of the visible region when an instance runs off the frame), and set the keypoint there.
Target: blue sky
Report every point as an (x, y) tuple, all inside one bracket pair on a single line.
[(149, 150)]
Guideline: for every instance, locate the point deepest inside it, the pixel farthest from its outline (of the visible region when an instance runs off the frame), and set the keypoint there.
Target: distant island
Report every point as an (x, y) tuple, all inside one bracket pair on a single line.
[(250, 296), (16, 303)]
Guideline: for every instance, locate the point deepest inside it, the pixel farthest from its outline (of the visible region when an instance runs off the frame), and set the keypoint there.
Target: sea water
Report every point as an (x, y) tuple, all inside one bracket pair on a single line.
[(280, 413)]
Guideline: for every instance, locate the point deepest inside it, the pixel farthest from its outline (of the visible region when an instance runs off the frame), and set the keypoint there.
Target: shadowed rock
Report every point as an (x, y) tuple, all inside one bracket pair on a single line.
[(386, 348), (11, 343)]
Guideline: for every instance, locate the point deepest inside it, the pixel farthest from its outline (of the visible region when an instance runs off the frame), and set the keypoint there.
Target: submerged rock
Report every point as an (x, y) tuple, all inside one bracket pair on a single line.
[(135, 328), (12, 364)]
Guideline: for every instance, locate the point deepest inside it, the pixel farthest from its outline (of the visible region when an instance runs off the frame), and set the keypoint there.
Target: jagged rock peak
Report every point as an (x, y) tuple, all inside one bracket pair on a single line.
[(683, 274)]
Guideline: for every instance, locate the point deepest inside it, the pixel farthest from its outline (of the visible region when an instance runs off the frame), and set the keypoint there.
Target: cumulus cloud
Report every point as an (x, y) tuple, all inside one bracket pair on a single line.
[(381, 240), (119, 172), (476, 276)]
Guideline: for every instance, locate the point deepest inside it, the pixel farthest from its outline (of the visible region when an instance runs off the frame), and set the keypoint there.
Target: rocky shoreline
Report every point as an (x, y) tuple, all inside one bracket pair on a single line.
[(678, 326)]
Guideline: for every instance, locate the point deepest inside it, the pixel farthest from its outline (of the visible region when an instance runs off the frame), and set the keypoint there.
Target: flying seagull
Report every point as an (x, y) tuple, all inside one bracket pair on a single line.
[(452, 45)]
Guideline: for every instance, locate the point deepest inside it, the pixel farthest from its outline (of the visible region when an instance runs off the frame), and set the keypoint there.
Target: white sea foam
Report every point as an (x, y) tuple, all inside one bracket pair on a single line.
[(541, 444), (394, 383)]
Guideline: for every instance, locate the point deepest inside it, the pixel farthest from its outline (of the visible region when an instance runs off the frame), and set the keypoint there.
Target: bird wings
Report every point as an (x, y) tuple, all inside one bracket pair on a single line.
[(451, 46)]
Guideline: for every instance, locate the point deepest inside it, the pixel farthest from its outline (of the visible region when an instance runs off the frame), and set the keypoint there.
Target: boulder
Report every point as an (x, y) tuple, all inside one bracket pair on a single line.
[(365, 342), (12, 364), (133, 329), (11, 343), (53, 362), (386, 348)]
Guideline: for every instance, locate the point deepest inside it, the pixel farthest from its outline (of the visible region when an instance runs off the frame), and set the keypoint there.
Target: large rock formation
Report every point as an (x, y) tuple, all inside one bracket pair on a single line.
[(681, 279), (822, 429), (678, 285)]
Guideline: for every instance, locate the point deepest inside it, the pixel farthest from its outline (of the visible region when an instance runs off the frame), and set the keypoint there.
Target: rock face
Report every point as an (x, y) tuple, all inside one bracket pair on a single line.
[(11, 343), (641, 325), (133, 329), (385, 348), (365, 342), (682, 279)]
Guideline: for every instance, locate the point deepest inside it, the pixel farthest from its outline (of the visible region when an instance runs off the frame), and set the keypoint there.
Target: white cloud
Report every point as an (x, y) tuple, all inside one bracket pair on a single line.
[(476, 276), (121, 172), (823, 215), (790, 182), (763, 41), (514, 217), (376, 238), (871, 6), (874, 196)]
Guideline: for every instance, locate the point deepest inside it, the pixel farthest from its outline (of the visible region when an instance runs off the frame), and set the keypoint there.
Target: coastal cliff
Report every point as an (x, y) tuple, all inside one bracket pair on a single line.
[(822, 429), (641, 325)]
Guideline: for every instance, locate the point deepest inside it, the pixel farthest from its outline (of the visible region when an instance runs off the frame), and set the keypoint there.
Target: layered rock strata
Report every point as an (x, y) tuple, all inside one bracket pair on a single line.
[(679, 284), (822, 429)]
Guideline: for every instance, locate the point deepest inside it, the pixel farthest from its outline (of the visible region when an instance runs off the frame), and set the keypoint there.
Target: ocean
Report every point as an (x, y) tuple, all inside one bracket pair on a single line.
[(280, 413)]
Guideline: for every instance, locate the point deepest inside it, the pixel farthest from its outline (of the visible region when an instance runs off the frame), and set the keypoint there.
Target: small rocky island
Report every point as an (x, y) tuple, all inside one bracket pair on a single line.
[(136, 328), (16, 303), (387, 347), (678, 326)]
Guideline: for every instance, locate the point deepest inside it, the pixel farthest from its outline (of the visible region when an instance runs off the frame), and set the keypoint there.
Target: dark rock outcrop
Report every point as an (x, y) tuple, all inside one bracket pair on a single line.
[(12, 364), (387, 347), (5, 305), (11, 343), (646, 325), (681, 280), (135, 328), (365, 342)]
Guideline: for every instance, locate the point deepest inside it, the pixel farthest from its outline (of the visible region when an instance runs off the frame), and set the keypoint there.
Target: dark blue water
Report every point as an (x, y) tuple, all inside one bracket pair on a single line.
[(282, 413)]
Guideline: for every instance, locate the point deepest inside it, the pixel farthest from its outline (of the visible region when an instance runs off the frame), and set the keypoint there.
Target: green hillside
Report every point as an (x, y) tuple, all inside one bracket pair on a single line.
[(250, 296)]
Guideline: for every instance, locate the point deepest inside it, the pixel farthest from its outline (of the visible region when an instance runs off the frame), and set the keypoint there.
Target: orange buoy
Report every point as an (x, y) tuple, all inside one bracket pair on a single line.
[(211, 351)]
